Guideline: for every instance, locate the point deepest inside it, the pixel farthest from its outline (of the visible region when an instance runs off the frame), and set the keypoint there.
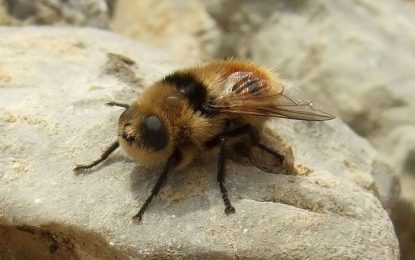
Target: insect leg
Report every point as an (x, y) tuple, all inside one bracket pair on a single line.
[(116, 104), (229, 209), (173, 160), (104, 156), (221, 139)]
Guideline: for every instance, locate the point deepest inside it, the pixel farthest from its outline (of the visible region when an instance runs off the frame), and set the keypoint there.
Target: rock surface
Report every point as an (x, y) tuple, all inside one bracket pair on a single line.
[(182, 27), (95, 13), (359, 55), (53, 87)]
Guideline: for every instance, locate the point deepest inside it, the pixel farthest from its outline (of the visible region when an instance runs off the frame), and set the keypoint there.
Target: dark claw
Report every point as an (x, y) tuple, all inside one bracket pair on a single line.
[(80, 167), (78, 170), (137, 219), (230, 210), (104, 156)]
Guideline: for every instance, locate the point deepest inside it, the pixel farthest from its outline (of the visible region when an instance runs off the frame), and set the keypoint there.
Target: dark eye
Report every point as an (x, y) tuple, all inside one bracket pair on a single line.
[(154, 133)]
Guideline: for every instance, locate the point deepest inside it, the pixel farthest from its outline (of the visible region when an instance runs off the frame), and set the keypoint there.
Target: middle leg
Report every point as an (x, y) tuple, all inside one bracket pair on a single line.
[(221, 140), (229, 209), (171, 162)]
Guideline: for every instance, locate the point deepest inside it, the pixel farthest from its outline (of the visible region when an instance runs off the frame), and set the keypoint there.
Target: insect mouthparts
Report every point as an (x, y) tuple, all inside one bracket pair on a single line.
[(129, 138)]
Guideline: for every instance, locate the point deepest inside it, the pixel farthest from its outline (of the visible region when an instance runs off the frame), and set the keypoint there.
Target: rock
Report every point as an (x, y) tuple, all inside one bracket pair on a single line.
[(5, 18), (54, 84), (93, 13), (182, 27)]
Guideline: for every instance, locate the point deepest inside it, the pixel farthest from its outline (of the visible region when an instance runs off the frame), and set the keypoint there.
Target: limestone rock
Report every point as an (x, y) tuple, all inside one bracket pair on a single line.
[(93, 13), (53, 87), (184, 28)]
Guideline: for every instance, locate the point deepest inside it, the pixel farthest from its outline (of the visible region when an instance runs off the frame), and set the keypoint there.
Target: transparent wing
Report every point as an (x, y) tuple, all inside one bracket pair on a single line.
[(247, 94)]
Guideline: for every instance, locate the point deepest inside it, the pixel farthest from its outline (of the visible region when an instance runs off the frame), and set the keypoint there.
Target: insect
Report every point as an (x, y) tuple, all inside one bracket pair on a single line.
[(199, 108)]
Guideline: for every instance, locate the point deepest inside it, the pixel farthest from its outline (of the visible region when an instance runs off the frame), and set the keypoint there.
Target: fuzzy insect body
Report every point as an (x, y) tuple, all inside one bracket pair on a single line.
[(196, 109)]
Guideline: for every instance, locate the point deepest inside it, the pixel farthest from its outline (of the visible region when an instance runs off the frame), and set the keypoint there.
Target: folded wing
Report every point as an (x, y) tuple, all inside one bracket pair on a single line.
[(247, 94)]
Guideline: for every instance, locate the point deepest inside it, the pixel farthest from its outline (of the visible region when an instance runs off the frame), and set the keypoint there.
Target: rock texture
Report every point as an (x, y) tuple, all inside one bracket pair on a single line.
[(182, 27), (53, 86), (93, 13)]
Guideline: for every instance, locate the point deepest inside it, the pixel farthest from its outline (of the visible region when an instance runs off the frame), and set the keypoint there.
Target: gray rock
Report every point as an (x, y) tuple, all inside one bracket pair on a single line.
[(93, 13), (53, 85), (184, 28)]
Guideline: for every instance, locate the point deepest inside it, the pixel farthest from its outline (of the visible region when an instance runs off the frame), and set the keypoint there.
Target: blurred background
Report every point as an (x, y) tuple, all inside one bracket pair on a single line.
[(357, 55)]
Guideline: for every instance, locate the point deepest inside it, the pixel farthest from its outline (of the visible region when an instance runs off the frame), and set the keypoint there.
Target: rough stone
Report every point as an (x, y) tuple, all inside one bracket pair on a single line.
[(95, 13), (54, 84), (182, 27)]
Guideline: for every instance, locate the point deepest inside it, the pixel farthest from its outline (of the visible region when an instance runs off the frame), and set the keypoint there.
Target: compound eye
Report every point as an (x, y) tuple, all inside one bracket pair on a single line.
[(155, 133)]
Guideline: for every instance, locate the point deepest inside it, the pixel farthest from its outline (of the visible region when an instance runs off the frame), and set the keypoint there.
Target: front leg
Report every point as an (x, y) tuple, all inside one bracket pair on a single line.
[(117, 104), (104, 156), (107, 152), (171, 162)]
